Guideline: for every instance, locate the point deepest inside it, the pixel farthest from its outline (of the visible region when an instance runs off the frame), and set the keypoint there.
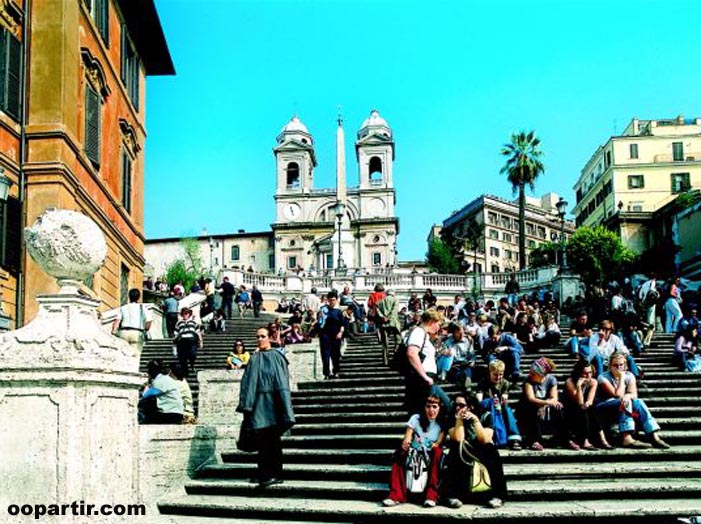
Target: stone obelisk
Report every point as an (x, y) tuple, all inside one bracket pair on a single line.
[(340, 162)]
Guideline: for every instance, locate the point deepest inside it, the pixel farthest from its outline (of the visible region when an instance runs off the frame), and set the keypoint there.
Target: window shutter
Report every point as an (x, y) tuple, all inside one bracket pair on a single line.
[(126, 181), (135, 81), (124, 47), (92, 125), (3, 68), (12, 219), (104, 20), (14, 74)]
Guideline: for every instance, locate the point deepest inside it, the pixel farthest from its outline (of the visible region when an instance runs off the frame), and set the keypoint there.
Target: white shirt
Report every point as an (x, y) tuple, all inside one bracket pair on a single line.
[(134, 316), (646, 288), (419, 338), (607, 347)]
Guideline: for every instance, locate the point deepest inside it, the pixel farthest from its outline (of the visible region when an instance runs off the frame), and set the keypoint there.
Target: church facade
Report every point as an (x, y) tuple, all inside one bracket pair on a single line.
[(306, 235)]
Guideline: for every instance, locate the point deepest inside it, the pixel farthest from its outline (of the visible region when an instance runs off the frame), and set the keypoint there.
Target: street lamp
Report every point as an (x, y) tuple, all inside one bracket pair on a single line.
[(561, 211), (211, 254), (5, 184), (339, 209)]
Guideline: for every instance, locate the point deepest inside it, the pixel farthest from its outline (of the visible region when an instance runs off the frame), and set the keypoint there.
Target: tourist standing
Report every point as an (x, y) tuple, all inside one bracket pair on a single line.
[(188, 338), (257, 300), (332, 337), (170, 308), (133, 322), (228, 291), (266, 404)]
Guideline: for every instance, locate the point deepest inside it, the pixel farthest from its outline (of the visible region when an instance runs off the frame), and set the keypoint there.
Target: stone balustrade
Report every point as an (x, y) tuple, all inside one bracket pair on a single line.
[(487, 285)]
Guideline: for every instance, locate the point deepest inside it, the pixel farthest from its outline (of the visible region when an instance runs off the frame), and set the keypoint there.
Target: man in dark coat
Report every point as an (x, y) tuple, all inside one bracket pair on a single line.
[(266, 403), (227, 291), (332, 337)]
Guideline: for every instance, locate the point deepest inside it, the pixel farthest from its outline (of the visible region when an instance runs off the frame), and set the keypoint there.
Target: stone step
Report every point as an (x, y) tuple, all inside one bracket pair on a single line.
[(383, 456), (373, 473), (610, 509), (389, 440)]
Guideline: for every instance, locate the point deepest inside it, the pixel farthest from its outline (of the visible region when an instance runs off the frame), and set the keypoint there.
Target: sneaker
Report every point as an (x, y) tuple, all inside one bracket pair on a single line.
[(429, 503), (515, 445), (454, 503), (388, 503), (495, 503)]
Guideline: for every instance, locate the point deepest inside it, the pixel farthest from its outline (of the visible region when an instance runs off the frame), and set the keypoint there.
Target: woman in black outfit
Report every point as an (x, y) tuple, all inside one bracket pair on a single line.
[(467, 427)]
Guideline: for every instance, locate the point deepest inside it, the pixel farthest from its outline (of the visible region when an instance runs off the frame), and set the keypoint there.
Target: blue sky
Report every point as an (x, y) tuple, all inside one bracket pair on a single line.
[(454, 79)]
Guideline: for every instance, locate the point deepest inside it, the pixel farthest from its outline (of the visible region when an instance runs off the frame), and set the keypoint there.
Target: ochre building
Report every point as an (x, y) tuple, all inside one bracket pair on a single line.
[(72, 133)]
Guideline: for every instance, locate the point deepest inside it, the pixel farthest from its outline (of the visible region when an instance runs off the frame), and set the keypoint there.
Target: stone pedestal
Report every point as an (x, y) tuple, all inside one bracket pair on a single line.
[(68, 399), (566, 285), (305, 363), (68, 390)]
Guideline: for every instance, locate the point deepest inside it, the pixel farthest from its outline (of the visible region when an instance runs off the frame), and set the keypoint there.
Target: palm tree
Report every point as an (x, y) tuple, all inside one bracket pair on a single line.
[(523, 166)]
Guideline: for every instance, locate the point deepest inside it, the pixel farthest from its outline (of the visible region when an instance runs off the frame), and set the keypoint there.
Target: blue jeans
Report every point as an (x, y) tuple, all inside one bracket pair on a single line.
[(672, 315), (633, 341), (626, 423), (578, 345), (512, 432), (511, 357), (444, 363), (598, 362)]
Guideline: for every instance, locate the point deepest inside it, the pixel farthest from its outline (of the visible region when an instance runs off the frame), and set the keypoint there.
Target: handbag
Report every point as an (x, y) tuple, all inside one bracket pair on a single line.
[(247, 436), (416, 468), (146, 332), (693, 364), (479, 479)]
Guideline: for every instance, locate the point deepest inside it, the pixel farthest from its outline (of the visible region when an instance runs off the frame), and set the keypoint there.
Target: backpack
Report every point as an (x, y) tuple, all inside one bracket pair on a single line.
[(651, 298), (400, 360), (416, 468)]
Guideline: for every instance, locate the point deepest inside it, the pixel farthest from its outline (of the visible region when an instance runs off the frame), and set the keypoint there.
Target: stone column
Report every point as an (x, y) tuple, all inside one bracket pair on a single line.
[(68, 390)]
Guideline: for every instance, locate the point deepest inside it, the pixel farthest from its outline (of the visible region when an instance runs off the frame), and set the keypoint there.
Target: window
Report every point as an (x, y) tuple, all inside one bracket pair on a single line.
[(292, 175), (329, 261), (92, 124), (235, 253), (377, 259), (292, 262), (126, 181), (494, 234), (635, 206), (633, 150), (492, 218), (478, 268), (375, 170), (494, 251), (271, 242), (530, 229), (607, 159), (99, 11), (506, 237), (130, 68), (680, 182), (124, 285), (541, 232), (636, 181), (507, 254), (495, 268), (506, 222), (677, 151), (531, 244), (10, 73), (11, 227), (271, 261)]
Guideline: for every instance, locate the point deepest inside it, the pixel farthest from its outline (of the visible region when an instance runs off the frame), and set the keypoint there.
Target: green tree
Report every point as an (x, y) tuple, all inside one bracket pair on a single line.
[(523, 166), (188, 268), (598, 255), (440, 258), (546, 254)]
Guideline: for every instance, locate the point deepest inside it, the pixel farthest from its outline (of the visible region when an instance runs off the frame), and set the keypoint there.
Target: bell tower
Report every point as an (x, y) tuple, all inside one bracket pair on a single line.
[(374, 150), (295, 158)]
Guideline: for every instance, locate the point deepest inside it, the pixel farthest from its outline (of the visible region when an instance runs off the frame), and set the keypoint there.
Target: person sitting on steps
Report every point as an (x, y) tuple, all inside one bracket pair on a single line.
[(423, 435)]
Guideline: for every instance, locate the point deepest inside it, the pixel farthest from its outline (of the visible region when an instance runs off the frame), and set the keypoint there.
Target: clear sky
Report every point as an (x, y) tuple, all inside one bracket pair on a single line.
[(454, 79)]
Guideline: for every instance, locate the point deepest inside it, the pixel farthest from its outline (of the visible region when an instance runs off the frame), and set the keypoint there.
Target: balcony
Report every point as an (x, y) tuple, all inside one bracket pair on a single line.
[(690, 156)]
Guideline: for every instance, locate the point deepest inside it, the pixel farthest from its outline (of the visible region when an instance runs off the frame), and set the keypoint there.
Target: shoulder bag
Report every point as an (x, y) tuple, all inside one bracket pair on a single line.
[(479, 480)]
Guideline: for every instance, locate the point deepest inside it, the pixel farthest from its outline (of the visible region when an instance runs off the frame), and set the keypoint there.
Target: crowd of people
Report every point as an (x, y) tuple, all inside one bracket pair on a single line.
[(480, 346)]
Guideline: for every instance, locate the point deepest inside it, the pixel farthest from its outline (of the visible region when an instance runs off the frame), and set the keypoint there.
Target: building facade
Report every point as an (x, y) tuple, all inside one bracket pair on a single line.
[(72, 132), (217, 253), (499, 220), (632, 176), (306, 227)]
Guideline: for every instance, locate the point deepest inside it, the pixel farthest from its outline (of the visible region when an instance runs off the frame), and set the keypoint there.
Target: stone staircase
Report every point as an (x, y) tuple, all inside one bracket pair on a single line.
[(215, 347), (337, 460)]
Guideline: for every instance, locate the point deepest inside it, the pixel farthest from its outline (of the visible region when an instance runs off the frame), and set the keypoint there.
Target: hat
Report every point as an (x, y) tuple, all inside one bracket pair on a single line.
[(185, 310), (542, 366)]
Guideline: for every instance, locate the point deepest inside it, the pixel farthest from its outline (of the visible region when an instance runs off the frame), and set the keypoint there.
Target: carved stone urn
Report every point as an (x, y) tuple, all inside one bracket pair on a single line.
[(70, 247)]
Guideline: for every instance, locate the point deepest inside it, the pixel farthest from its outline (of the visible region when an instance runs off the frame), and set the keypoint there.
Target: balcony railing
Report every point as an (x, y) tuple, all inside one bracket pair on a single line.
[(690, 156)]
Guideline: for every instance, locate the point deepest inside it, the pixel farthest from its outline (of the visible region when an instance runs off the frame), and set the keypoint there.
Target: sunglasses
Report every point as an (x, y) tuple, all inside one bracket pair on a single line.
[(460, 405)]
